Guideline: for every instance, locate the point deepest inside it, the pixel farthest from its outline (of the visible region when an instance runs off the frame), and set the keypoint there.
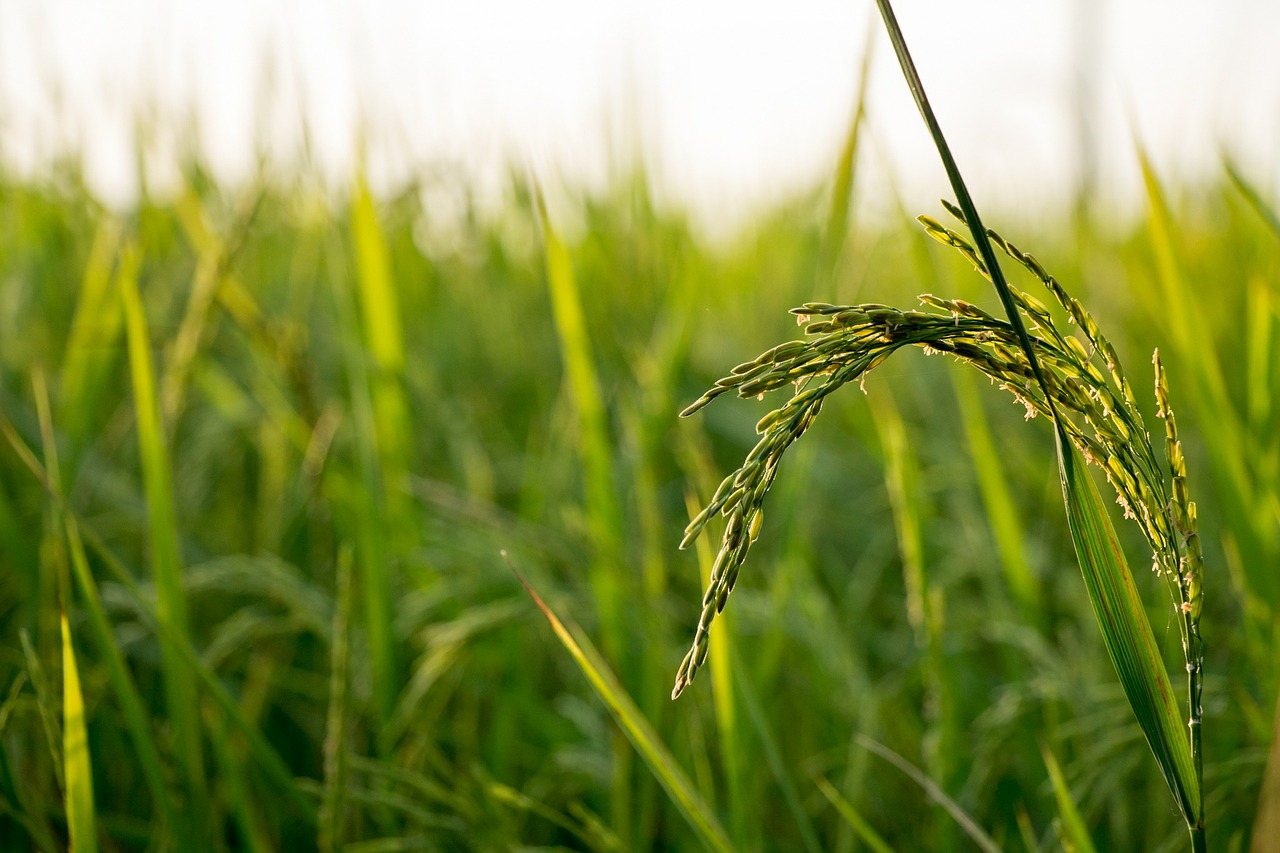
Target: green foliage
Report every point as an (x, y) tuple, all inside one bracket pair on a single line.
[(357, 664)]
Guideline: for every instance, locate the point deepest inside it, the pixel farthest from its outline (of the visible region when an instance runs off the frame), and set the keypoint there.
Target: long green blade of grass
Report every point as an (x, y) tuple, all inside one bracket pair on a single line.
[(604, 517), (166, 563), (81, 818), (684, 794), (865, 832), (1073, 824), (141, 733), (363, 499), (92, 344), (935, 793), (844, 180), (384, 340), (580, 369), (333, 799)]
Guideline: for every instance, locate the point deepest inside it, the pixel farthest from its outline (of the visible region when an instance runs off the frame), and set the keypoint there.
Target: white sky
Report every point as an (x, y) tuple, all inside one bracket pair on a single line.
[(730, 102)]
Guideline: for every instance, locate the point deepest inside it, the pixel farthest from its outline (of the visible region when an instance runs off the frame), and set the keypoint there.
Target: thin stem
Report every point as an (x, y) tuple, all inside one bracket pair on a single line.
[(980, 239)]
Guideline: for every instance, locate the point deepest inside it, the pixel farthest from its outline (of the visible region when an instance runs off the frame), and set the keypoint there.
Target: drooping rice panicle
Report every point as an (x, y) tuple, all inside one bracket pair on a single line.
[(844, 342)]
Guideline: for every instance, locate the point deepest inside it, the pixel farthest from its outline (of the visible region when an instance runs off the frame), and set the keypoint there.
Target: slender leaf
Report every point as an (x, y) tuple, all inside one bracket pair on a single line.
[(166, 563), (935, 793), (684, 794), (1073, 823), (1126, 632), (853, 817), (81, 818)]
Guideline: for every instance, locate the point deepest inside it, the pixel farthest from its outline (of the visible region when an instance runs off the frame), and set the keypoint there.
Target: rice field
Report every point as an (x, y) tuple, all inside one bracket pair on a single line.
[(270, 455)]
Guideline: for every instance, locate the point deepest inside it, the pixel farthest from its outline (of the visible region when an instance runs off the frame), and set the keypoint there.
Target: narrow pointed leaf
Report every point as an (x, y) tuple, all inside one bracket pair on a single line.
[(1126, 632), (684, 794), (78, 770)]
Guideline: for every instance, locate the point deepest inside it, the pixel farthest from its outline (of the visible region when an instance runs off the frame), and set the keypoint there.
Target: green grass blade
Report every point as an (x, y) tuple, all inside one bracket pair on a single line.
[(935, 793), (1127, 633), (162, 527), (333, 799), (92, 344), (81, 818), (865, 832), (944, 751), (997, 498), (843, 182), (362, 502), (597, 459), (1246, 188), (1073, 824), (384, 340), (684, 794), (141, 733), (773, 757)]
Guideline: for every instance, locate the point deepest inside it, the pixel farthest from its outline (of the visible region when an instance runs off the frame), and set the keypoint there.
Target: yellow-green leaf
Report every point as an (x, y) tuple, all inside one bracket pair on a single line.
[(75, 753)]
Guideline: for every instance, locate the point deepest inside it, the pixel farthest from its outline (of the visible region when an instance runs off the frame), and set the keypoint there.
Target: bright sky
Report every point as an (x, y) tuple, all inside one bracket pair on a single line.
[(730, 102)]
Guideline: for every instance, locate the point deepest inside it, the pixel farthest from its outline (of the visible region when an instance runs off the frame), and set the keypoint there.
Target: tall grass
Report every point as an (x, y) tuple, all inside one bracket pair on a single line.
[(353, 673)]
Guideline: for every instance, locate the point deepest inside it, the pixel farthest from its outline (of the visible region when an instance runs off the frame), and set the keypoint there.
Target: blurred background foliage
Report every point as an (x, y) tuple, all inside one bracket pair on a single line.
[(362, 400)]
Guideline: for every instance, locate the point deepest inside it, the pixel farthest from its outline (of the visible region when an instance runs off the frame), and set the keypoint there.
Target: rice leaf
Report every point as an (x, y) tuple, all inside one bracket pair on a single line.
[(865, 832), (384, 341), (162, 527), (935, 793), (362, 502), (1073, 824), (1126, 632), (92, 345), (683, 793), (141, 734), (81, 818), (603, 513), (333, 800)]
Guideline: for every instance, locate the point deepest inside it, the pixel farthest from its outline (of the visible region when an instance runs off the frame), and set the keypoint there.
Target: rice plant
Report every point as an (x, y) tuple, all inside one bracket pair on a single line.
[(844, 342), (1052, 374)]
